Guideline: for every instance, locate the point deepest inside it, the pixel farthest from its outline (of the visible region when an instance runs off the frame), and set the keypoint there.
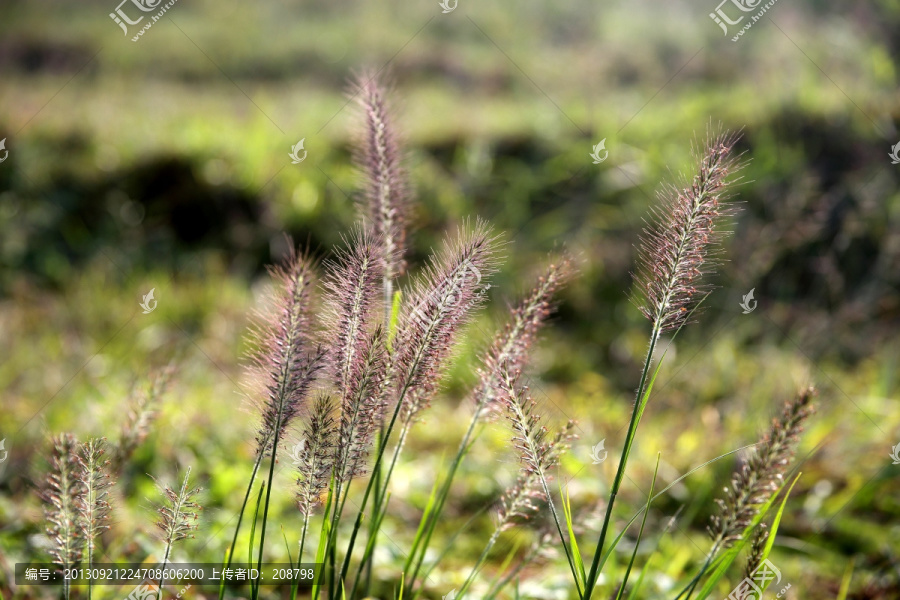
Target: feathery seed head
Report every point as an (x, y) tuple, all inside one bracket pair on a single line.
[(511, 345), (439, 305), (538, 451), (62, 493), (757, 548), (680, 249), (141, 415), (179, 512), (285, 360), (93, 505), (763, 473), (380, 159), (362, 407), (317, 460), (353, 303)]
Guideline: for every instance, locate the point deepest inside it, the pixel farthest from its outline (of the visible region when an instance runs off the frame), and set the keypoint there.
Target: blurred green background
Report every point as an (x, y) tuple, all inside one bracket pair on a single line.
[(164, 164)]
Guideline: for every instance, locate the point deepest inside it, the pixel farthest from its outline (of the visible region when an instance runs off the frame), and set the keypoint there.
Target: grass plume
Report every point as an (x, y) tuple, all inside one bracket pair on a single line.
[(380, 158), (437, 307), (317, 456), (62, 495), (511, 346), (357, 355), (538, 452), (763, 472), (140, 416), (178, 516), (93, 504), (285, 359), (681, 248)]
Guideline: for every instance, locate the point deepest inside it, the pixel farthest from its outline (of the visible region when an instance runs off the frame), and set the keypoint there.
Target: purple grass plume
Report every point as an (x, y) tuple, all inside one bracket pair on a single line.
[(178, 513), (62, 494), (538, 451), (317, 457), (763, 473), (93, 504), (435, 311), (357, 356), (353, 306), (512, 344), (178, 516), (286, 360), (380, 159), (362, 409), (140, 416), (681, 248)]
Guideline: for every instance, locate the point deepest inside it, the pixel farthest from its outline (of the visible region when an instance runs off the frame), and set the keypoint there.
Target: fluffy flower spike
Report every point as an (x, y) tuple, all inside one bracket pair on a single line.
[(681, 248)]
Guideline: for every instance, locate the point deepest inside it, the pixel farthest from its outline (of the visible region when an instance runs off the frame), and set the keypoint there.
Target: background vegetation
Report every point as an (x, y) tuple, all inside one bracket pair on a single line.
[(163, 164)]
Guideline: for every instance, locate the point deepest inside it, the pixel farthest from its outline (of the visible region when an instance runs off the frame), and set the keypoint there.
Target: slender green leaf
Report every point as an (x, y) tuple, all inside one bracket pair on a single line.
[(770, 541), (253, 525), (426, 516), (845, 581), (576, 553), (324, 536), (287, 546), (637, 543), (510, 556), (634, 518)]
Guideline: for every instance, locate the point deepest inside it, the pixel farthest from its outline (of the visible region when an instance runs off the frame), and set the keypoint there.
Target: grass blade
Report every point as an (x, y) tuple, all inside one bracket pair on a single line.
[(576, 553), (845, 581), (253, 526), (637, 543)]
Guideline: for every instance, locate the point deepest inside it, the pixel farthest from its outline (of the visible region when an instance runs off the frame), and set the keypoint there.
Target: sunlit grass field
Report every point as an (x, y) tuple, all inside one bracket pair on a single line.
[(164, 164)]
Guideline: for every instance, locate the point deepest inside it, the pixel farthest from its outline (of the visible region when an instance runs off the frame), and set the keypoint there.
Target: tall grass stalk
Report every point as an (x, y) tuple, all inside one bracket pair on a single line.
[(433, 313), (674, 256), (284, 363)]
